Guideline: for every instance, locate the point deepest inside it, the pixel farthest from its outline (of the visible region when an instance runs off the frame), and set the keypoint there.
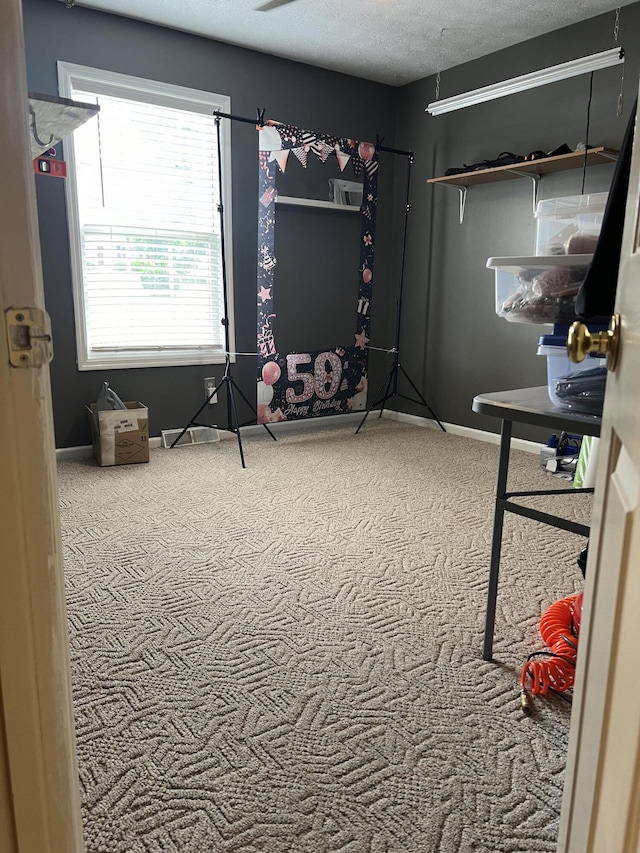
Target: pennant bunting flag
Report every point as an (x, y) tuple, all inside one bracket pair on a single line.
[(342, 158), (269, 138), (281, 158), (323, 150), (301, 154), (372, 167), (306, 137)]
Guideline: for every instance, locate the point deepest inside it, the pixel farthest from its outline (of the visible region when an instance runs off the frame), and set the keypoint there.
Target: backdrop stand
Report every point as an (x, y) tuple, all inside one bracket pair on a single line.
[(227, 382), (390, 384)]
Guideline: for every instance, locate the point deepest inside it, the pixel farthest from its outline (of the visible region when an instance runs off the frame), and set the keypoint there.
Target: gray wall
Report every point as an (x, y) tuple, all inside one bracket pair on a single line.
[(454, 345), (299, 94)]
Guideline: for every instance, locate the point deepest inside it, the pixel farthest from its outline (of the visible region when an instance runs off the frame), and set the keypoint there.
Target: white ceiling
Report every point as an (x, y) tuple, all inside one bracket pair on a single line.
[(391, 41)]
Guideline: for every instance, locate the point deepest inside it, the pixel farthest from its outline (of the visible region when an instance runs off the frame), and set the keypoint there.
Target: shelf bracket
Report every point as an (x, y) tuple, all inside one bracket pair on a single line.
[(34, 129), (535, 180), (463, 196)]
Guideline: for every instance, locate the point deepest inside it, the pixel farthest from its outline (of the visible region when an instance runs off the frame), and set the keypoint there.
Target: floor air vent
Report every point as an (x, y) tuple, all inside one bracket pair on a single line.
[(193, 435)]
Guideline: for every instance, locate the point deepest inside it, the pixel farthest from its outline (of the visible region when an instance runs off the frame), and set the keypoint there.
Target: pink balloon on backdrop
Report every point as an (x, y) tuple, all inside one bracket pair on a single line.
[(271, 373), (264, 413), (366, 150), (367, 275), (266, 416)]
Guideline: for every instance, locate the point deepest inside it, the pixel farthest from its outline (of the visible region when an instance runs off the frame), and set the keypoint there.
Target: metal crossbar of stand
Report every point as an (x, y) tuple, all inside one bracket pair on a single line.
[(227, 382), (390, 384)]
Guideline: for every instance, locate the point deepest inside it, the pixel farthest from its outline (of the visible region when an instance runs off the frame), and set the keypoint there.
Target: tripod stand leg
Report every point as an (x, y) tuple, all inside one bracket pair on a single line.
[(193, 421), (422, 399), (387, 390), (387, 383), (231, 403), (177, 439), (251, 406)]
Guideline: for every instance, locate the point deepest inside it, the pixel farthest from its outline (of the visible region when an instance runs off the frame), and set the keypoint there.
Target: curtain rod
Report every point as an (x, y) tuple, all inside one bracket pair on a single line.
[(258, 121)]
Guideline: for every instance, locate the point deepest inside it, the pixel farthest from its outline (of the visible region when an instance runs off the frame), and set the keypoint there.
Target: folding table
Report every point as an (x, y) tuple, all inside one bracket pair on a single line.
[(527, 406)]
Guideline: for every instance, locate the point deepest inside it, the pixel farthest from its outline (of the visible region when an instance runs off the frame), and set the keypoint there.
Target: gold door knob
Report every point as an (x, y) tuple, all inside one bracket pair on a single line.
[(581, 342)]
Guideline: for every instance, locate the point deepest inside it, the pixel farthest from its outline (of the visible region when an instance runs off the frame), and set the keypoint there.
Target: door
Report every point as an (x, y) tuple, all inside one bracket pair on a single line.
[(601, 806), (39, 790)]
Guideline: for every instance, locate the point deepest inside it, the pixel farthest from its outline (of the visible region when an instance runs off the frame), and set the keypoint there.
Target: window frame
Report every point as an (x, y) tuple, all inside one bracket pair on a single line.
[(103, 82)]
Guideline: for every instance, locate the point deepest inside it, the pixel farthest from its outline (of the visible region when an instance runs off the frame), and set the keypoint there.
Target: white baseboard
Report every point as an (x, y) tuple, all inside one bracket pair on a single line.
[(80, 452), (84, 451), (320, 424), (467, 432), (299, 426)]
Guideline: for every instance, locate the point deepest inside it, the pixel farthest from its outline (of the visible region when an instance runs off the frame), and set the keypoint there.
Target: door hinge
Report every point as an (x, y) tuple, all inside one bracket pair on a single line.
[(29, 336)]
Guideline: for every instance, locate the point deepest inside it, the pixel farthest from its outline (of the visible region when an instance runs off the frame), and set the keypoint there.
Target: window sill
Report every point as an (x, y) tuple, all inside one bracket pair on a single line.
[(128, 360)]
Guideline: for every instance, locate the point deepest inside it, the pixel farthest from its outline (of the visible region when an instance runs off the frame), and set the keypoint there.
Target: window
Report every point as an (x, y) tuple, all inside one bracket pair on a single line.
[(143, 201)]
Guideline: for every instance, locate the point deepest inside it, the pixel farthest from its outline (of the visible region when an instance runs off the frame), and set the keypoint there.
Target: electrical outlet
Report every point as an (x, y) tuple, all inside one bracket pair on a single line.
[(209, 385)]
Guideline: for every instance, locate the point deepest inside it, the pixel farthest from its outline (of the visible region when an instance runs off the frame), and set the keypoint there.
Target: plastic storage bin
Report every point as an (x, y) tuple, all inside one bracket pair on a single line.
[(583, 391), (562, 373), (538, 289), (569, 225)]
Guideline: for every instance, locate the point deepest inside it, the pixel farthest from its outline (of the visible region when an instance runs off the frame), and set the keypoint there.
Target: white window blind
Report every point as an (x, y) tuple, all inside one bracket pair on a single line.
[(147, 200)]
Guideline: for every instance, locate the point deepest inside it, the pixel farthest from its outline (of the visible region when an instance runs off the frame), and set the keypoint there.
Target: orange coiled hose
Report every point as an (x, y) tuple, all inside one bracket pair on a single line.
[(558, 629)]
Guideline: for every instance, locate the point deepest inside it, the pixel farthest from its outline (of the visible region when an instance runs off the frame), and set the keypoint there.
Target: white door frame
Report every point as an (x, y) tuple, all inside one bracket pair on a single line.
[(39, 786)]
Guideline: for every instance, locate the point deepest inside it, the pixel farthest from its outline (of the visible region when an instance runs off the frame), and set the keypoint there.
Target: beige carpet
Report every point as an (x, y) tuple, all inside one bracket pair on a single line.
[(287, 658)]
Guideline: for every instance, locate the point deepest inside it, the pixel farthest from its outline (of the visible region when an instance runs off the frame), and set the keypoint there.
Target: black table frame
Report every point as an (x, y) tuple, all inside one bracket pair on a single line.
[(531, 406)]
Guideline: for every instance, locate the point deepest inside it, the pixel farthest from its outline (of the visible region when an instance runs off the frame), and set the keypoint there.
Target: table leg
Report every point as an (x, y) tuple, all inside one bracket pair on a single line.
[(496, 543)]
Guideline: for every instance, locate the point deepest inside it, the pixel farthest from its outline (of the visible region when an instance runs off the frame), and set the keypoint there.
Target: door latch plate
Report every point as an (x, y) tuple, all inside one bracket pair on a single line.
[(29, 337)]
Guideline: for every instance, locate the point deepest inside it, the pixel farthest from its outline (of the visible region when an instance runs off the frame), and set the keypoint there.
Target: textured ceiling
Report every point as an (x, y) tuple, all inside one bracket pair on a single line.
[(391, 41)]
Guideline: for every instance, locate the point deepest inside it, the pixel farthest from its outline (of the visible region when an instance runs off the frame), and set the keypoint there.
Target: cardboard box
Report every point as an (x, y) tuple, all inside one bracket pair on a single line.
[(121, 438)]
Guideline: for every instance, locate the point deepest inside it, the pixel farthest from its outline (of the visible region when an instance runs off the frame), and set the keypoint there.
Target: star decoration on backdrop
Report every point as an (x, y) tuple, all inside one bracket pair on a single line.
[(361, 339), (264, 293)]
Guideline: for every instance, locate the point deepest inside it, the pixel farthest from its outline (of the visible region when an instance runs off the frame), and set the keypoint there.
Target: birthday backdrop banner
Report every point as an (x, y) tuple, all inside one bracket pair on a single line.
[(321, 382)]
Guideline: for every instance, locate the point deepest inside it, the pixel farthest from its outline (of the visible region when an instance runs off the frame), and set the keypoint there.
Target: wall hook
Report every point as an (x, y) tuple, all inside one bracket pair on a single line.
[(34, 129)]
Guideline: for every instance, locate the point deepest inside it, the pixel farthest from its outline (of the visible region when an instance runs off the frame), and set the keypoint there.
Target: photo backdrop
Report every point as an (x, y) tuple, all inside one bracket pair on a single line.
[(295, 385)]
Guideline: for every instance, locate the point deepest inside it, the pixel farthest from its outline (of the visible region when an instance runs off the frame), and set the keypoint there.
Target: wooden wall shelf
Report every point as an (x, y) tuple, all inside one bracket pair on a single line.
[(532, 169), (544, 166)]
